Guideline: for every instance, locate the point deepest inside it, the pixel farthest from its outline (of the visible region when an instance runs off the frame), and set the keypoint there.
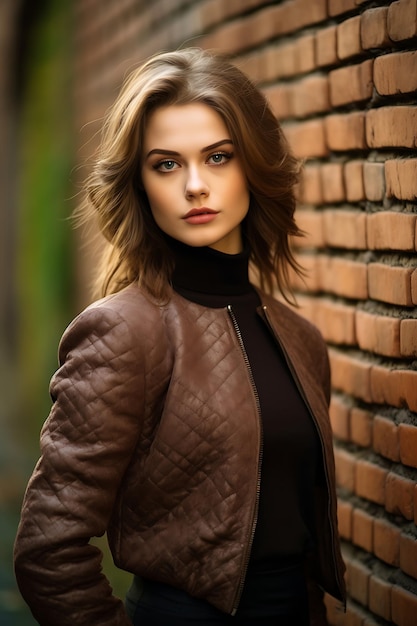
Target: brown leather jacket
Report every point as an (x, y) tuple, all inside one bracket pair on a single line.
[(154, 437)]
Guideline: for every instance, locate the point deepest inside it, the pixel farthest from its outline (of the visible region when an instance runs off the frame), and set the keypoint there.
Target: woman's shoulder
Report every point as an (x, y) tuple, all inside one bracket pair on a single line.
[(127, 315)]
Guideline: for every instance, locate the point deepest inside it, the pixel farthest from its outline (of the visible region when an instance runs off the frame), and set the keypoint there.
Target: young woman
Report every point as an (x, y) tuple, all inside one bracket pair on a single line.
[(190, 409)]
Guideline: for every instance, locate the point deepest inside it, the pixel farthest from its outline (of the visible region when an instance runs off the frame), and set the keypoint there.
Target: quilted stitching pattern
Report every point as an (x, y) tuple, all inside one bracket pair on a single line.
[(152, 437)]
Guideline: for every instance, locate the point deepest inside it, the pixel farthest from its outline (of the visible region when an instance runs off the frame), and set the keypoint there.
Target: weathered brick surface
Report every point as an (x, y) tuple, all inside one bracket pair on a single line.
[(401, 178), (389, 230), (351, 84), (399, 496), (385, 438), (380, 597), (341, 76), (390, 284), (374, 30), (396, 73), (345, 229), (363, 530), (408, 444), (402, 20), (387, 542), (392, 126), (348, 37), (346, 131), (361, 430), (370, 481)]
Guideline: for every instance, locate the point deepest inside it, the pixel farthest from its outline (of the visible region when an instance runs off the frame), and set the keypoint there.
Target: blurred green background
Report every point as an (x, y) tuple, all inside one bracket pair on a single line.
[(37, 243)]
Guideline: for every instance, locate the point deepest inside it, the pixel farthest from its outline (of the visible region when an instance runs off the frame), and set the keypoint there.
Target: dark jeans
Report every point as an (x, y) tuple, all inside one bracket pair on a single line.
[(270, 598)]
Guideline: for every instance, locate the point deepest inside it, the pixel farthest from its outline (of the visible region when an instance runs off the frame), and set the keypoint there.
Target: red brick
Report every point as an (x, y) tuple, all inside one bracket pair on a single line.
[(414, 282), (339, 419), (401, 177), (266, 65), (284, 60), (348, 37), (344, 516), (332, 182), (311, 222), (343, 277), (408, 444), (405, 381), (345, 229), (358, 585), (390, 230), (336, 322), (395, 387), (279, 98), (305, 60), (374, 33), (351, 375), (402, 20), (378, 333), (311, 189), (334, 614), (387, 542), (379, 376), (353, 83), (362, 525), (391, 126), (365, 330), (396, 73), (355, 616), (311, 280), (374, 181), (310, 95), (370, 481), (336, 7), (380, 597), (326, 46), (345, 469), (346, 131), (408, 338), (385, 438), (307, 139), (390, 284), (387, 336), (354, 184), (408, 555), (415, 505), (254, 65), (242, 33), (404, 607), (399, 496), (361, 427)]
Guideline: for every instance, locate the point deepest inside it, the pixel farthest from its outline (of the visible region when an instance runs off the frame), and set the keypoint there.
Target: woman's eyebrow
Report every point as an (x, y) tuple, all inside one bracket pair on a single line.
[(212, 146)]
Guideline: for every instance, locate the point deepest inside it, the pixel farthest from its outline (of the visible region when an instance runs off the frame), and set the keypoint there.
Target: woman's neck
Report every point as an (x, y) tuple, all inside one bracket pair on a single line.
[(208, 271)]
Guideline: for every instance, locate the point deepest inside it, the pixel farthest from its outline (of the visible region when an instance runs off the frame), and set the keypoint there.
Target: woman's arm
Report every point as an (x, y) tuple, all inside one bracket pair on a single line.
[(86, 445)]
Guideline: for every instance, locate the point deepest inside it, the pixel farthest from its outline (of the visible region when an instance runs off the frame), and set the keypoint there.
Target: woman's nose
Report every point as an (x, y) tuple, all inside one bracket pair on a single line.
[(195, 184)]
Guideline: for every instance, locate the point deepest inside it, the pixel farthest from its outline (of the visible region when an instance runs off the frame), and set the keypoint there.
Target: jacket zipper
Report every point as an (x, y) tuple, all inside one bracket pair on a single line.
[(301, 390), (258, 486)]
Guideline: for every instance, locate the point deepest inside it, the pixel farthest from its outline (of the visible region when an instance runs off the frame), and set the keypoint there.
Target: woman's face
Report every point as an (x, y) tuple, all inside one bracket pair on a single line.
[(193, 177)]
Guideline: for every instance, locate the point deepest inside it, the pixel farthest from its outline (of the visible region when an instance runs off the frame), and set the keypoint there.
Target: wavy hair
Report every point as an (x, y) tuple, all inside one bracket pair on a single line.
[(136, 247)]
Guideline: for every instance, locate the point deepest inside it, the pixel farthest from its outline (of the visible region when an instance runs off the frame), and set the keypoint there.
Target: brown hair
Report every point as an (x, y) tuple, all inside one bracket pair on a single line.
[(137, 249)]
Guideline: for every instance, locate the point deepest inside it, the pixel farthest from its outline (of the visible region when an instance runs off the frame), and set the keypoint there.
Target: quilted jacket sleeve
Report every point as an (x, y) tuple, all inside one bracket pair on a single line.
[(86, 444)]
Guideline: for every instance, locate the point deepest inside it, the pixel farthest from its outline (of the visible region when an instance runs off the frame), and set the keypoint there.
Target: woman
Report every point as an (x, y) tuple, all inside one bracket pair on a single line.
[(190, 409)]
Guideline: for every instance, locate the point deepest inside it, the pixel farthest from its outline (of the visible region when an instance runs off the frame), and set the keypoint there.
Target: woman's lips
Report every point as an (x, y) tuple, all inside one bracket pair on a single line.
[(200, 216)]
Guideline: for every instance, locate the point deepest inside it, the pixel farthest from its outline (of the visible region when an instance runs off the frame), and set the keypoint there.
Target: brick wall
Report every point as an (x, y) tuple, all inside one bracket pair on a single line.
[(341, 76)]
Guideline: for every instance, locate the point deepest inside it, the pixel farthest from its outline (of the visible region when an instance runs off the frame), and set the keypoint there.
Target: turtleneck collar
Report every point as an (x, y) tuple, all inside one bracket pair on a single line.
[(208, 271)]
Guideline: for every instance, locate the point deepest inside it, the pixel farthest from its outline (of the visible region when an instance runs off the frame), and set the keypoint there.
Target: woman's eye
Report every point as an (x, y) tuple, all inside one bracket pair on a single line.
[(219, 158), (165, 166)]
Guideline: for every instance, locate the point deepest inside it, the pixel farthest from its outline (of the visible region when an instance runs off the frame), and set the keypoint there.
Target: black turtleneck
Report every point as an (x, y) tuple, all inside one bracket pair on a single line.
[(290, 443)]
